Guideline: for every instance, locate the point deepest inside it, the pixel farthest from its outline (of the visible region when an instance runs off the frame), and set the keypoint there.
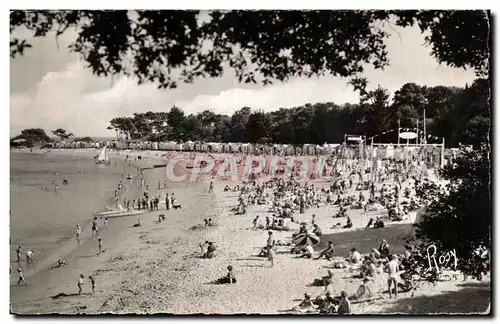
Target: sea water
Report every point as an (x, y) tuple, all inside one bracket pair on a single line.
[(42, 218)]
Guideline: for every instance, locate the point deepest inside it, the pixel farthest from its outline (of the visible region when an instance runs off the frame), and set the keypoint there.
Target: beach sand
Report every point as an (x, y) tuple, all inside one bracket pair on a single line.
[(156, 268)]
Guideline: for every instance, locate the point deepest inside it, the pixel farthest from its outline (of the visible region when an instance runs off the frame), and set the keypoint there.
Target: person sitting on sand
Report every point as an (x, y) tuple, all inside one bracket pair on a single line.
[(325, 281), (345, 305), (305, 305), (270, 239), (363, 290), (379, 223), (175, 204), (328, 253), (308, 252), (229, 278), (383, 249), (348, 222), (392, 273), (60, 263), (92, 283), (355, 256), (138, 223), (210, 251), (317, 230), (326, 304)]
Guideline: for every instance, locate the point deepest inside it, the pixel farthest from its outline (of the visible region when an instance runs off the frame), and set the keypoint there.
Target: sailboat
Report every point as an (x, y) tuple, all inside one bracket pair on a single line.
[(102, 158)]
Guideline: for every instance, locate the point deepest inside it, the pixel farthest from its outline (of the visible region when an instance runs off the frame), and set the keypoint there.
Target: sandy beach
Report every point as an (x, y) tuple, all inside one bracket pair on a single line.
[(156, 268)]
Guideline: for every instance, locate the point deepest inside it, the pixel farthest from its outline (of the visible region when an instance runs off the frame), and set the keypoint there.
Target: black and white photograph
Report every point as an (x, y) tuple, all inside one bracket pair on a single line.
[(251, 162)]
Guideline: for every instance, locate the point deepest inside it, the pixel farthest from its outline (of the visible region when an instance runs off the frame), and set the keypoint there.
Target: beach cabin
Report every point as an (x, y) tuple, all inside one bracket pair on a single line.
[(189, 146)]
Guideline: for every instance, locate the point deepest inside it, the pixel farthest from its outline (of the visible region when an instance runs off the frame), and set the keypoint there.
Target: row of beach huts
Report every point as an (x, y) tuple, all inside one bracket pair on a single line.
[(353, 151)]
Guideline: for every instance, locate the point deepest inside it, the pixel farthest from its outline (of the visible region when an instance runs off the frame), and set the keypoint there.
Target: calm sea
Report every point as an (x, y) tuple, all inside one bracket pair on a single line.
[(41, 218)]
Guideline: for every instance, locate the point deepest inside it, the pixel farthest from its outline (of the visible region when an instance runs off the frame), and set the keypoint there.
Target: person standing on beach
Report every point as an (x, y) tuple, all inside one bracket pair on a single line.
[(21, 277), (270, 239), (270, 254), (78, 233), (18, 254), (392, 272), (95, 231), (211, 187), (167, 201), (80, 284), (106, 222), (92, 283), (99, 246)]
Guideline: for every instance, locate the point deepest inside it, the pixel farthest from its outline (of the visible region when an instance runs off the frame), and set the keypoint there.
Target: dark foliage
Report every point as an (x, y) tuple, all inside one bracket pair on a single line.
[(29, 137), (259, 46), (62, 134), (459, 216)]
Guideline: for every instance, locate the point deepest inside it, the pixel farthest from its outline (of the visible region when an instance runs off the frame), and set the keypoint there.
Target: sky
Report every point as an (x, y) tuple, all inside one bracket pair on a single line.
[(51, 88)]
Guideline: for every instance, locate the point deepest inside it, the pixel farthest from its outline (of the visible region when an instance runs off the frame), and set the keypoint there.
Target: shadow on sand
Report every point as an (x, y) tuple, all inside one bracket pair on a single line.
[(254, 266), (365, 240), (61, 295), (472, 298)]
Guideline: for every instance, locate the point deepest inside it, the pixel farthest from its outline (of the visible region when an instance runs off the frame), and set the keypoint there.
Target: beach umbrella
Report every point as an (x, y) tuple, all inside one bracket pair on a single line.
[(306, 238)]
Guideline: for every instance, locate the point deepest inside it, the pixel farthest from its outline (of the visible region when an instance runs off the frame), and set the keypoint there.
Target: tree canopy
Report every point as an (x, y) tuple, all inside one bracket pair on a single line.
[(259, 46), (460, 115), (459, 216), (31, 136), (62, 134)]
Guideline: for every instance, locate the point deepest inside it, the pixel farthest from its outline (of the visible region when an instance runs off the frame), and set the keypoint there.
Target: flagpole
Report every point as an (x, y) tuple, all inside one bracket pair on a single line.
[(417, 131), (425, 132), (399, 128)]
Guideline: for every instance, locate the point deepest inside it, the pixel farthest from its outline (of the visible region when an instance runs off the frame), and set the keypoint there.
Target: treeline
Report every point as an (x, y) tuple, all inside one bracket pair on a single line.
[(460, 115)]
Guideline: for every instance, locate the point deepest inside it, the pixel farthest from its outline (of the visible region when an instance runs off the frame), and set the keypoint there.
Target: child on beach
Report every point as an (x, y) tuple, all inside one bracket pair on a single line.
[(78, 233), (99, 246), (21, 277), (92, 283), (106, 222), (80, 284)]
